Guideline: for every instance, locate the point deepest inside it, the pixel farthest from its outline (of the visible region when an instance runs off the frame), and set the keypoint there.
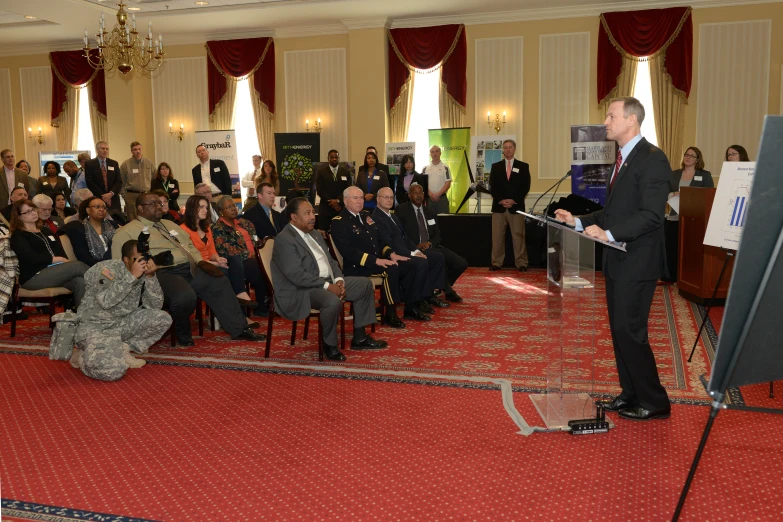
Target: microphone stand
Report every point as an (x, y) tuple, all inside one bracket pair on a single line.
[(555, 186)]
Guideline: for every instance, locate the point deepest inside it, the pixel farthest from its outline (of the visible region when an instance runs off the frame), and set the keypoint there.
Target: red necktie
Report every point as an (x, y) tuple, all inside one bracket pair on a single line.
[(105, 175), (617, 164), (508, 169)]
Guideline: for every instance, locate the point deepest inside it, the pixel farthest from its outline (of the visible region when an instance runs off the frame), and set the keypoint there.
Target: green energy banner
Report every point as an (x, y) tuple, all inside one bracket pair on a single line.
[(453, 143), (296, 154)]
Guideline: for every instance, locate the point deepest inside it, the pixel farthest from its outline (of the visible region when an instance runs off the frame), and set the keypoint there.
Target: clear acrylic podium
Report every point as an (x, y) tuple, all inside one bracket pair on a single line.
[(569, 348)]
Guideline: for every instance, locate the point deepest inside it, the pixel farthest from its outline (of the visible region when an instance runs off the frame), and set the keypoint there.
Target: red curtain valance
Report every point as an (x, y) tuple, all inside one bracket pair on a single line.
[(237, 59), (424, 48), (71, 68), (645, 33)]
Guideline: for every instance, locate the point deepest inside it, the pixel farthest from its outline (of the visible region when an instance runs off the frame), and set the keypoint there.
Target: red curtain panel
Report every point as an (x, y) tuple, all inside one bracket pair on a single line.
[(643, 33), (239, 58), (71, 68), (424, 48)]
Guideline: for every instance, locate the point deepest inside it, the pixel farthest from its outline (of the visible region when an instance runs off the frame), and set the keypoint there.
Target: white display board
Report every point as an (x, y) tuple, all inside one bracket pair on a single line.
[(222, 145), (730, 206), (59, 157), (394, 154)]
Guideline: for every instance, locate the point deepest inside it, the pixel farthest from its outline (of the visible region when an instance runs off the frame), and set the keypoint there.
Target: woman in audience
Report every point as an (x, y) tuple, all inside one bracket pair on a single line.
[(197, 225), (408, 175), (22, 164), (164, 180), (737, 153), (268, 175), (44, 204), (42, 261), (171, 215), (690, 174), (91, 236), (61, 208), (51, 181), (371, 180), (236, 237)]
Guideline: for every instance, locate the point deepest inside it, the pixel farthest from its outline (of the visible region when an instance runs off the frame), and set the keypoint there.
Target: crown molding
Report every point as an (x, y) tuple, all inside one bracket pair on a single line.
[(310, 30), (373, 22), (554, 13)]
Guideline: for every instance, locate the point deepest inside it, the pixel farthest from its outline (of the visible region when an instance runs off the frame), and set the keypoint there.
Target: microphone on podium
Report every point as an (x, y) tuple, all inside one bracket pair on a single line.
[(555, 186)]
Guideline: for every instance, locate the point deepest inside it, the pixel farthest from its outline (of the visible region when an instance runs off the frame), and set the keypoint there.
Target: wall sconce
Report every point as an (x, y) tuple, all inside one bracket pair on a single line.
[(35, 137), (496, 124), (317, 127), (180, 134)]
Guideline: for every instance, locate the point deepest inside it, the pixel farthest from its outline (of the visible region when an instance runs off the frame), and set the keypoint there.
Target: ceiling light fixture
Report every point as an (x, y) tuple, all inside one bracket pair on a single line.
[(28, 17), (134, 9), (123, 48), (200, 2)]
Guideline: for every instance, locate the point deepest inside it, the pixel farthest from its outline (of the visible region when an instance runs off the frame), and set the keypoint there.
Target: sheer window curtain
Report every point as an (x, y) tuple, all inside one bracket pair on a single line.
[(70, 72)]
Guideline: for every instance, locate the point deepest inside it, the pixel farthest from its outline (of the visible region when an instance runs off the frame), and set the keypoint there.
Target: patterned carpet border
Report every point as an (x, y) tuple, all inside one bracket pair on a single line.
[(33, 511), (709, 338)]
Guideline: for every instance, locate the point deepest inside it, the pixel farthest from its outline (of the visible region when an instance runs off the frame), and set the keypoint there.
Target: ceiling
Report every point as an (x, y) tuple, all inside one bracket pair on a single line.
[(60, 24)]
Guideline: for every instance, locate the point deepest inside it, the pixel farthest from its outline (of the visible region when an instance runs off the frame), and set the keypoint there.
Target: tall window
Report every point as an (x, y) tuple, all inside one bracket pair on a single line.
[(245, 128), (425, 114), (84, 138), (643, 92)]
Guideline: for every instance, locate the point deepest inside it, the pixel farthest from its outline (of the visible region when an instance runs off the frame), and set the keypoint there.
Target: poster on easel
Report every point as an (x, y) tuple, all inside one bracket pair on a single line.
[(730, 206), (222, 145), (592, 159), (296, 154)]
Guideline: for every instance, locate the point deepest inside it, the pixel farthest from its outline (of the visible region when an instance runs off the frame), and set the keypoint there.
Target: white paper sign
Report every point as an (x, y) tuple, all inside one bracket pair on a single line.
[(730, 206)]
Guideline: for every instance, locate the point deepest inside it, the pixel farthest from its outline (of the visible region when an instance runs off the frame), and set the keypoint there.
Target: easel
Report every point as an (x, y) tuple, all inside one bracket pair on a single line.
[(729, 255)]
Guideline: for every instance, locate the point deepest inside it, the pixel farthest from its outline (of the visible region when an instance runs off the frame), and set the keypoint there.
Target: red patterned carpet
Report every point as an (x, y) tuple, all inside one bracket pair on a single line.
[(501, 331), (215, 433)]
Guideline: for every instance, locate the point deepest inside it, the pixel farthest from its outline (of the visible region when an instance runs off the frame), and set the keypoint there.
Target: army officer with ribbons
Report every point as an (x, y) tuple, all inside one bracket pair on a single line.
[(364, 254)]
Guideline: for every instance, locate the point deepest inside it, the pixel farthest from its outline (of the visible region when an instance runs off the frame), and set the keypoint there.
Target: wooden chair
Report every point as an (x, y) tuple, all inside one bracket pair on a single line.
[(376, 281), (264, 256), (48, 295)]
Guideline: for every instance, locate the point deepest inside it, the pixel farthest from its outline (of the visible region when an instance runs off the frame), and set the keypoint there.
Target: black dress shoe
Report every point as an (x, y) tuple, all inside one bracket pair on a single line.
[(393, 321), (617, 404), (187, 342), (332, 353), (494, 268), (249, 335), (416, 315), (522, 269), (246, 303), (437, 301), (254, 324), (368, 343), (425, 307), (453, 297), (639, 413)]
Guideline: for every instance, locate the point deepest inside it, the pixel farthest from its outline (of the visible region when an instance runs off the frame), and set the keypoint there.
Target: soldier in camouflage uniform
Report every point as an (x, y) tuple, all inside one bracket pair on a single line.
[(112, 324)]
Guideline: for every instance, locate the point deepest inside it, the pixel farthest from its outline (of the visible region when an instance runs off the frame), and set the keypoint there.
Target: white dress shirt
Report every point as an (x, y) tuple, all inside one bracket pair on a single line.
[(206, 177), (324, 268)]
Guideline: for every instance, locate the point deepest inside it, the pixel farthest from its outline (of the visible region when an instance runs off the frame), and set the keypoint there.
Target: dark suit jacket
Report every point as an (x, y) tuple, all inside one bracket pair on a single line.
[(257, 216), (705, 181), (634, 214), (359, 244), (407, 215), (221, 179), (19, 177), (515, 188), (173, 185), (327, 188), (94, 178), (377, 184), (391, 232), (402, 194)]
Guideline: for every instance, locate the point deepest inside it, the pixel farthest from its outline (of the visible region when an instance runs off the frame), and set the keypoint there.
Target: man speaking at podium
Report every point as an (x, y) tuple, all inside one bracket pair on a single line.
[(636, 197)]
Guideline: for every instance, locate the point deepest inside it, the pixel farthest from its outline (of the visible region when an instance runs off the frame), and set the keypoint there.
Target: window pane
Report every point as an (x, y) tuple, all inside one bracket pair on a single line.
[(643, 92), (245, 128), (425, 114), (84, 138)]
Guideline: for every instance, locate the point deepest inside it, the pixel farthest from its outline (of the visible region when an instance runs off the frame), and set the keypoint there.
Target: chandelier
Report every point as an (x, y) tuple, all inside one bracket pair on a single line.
[(123, 49)]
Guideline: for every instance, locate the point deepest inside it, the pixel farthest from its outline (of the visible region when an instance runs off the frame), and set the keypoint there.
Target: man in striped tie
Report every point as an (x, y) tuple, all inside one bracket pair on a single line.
[(634, 215)]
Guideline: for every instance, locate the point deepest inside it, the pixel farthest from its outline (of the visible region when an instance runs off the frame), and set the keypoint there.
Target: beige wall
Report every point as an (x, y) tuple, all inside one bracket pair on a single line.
[(129, 102)]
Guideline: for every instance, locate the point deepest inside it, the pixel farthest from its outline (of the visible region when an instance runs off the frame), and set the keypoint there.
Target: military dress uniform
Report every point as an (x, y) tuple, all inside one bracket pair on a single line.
[(110, 318), (358, 240)]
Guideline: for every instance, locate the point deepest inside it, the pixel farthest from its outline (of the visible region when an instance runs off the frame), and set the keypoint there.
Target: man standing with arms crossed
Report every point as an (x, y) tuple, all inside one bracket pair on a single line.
[(636, 197)]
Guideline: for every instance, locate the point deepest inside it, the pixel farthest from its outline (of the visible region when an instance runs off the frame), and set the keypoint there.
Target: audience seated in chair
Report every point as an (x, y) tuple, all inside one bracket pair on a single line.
[(187, 277), (266, 220), (305, 277), (44, 205), (91, 238), (112, 324)]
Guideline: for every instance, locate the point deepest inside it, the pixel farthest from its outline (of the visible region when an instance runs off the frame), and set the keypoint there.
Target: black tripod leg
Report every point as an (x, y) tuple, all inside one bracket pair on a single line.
[(713, 413), (709, 307), (771, 389)]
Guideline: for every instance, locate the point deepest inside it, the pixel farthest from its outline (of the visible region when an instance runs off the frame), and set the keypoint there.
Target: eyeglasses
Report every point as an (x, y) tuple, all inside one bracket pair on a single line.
[(99, 207), (156, 204), (28, 211), (732, 154), (691, 156), (44, 209)]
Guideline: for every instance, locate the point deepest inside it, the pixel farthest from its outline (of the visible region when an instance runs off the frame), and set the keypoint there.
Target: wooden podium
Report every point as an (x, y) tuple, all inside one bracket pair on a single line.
[(699, 265)]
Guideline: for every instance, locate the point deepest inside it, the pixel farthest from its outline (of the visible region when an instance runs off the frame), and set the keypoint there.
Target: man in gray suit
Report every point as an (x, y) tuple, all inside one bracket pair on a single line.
[(306, 277)]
